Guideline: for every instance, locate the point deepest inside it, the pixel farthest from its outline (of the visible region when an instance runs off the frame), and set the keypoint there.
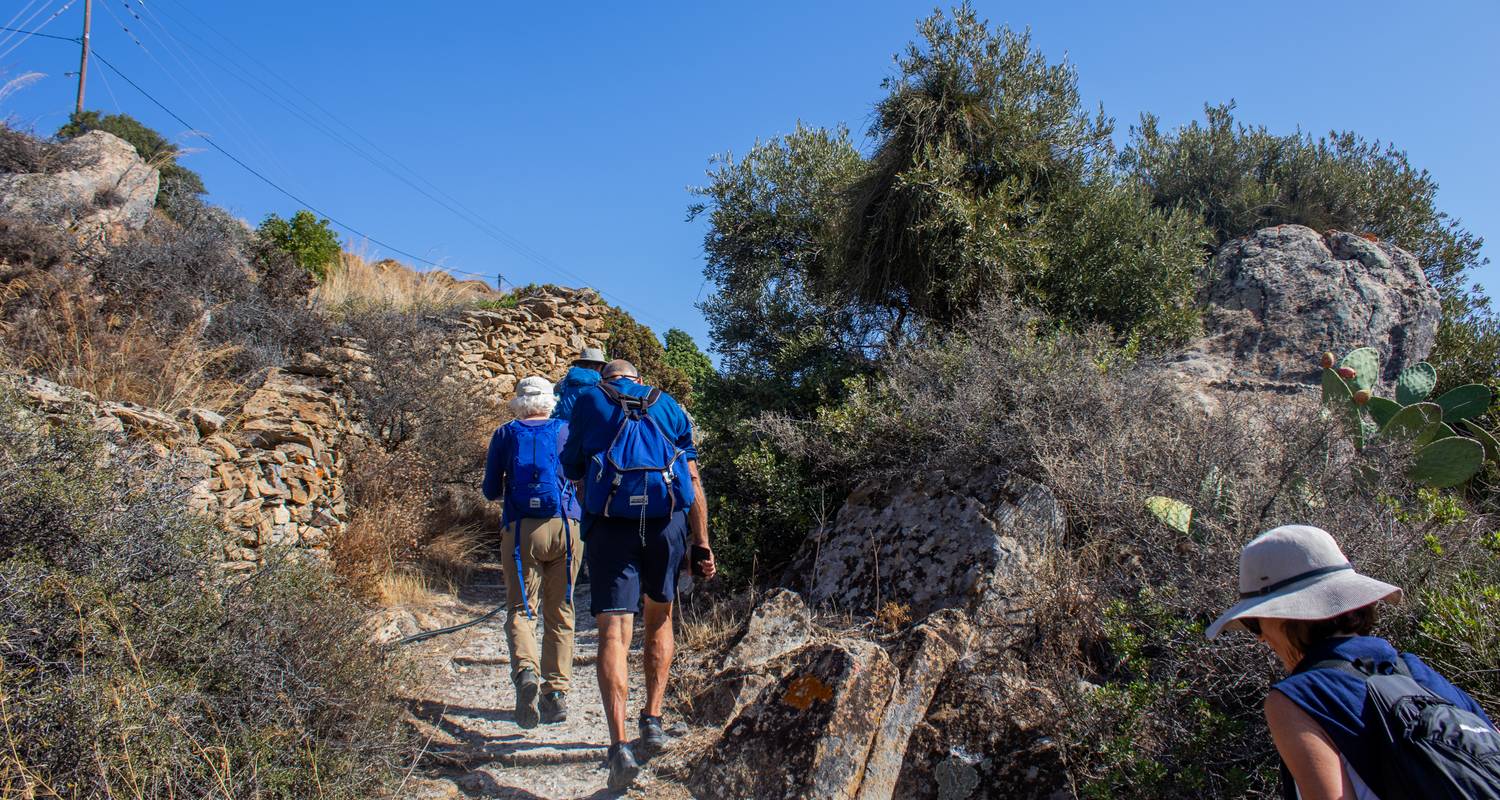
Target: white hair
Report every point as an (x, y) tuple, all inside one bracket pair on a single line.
[(532, 405)]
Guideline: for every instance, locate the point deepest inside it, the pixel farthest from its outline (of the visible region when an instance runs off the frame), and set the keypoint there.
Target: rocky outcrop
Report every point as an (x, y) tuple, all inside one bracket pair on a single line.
[(942, 540), (1283, 295), (104, 185)]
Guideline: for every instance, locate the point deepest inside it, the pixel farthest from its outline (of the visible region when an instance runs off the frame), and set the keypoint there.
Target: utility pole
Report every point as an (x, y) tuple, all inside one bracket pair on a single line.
[(83, 63)]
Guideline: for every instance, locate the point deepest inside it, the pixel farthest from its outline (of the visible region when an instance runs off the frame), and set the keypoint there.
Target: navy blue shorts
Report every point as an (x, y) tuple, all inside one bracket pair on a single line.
[(620, 569)]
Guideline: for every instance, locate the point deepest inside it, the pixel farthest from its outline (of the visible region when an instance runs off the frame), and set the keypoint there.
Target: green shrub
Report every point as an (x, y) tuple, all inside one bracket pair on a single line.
[(310, 241), (682, 354), (177, 181), (636, 343), (134, 668)]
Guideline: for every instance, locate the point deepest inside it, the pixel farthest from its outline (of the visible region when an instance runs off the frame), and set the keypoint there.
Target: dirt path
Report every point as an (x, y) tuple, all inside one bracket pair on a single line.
[(476, 748)]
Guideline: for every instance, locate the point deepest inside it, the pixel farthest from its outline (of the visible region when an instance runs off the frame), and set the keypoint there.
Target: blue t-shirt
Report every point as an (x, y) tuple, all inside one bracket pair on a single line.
[(596, 420), (1337, 699), (497, 464)]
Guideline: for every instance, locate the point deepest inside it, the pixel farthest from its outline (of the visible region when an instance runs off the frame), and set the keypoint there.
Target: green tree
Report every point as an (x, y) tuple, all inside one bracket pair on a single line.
[(782, 330), (308, 240), (683, 354), (634, 342), (177, 181)]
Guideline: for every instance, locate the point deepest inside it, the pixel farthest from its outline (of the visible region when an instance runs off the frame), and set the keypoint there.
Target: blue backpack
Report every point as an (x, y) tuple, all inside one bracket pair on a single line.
[(636, 477), (536, 488)]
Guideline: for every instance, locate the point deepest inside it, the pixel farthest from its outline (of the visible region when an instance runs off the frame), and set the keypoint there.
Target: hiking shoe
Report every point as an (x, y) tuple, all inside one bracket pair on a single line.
[(622, 767), (653, 737), (528, 686), (554, 707)]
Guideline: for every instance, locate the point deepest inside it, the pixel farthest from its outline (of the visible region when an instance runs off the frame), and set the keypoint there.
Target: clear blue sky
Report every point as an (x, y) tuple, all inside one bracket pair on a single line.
[(576, 131)]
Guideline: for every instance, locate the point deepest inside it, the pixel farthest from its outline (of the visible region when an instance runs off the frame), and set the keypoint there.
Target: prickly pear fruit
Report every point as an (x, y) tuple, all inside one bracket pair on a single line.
[(1329, 359), (1361, 397), (1347, 373)]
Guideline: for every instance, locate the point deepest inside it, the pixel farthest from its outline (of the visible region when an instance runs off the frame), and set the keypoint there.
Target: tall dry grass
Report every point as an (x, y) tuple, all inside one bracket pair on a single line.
[(356, 283)]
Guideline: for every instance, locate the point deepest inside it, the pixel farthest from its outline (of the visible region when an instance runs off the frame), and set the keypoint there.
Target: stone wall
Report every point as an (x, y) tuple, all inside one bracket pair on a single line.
[(272, 470)]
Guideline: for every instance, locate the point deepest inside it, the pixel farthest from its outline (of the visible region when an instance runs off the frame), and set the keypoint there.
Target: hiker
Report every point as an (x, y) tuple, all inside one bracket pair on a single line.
[(542, 550), (637, 523), (583, 374), (1302, 598)]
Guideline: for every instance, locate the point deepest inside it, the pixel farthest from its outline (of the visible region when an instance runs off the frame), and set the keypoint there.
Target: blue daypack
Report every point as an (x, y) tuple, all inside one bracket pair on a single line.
[(636, 477), (536, 488)]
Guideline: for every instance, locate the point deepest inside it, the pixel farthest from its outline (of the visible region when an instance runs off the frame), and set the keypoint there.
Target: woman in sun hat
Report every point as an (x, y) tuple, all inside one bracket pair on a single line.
[(1303, 599)]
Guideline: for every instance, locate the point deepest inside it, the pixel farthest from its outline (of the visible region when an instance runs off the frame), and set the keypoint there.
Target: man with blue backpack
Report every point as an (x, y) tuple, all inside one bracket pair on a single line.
[(631, 448), (542, 550)]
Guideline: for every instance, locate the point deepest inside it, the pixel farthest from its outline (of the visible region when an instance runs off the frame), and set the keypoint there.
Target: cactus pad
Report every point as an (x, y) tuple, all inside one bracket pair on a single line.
[(1447, 462), (1432, 433), (1366, 365), (1415, 383), (1465, 402), (1412, 420), (1175, 514), (1487, 439), (1382, 409), (1336, 392)]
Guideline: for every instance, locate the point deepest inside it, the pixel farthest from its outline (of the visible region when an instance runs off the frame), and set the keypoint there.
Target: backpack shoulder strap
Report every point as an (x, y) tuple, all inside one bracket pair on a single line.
[(633, 406)]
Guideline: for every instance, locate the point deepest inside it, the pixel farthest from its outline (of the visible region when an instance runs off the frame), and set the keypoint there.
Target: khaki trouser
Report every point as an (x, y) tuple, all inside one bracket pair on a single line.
[(544, 563)]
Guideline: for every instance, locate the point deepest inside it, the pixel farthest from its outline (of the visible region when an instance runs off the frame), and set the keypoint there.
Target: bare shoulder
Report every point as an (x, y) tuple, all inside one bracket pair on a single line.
[(1307, 750)]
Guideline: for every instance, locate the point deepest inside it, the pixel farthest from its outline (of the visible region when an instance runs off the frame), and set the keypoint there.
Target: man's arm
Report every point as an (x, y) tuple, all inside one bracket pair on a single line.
[(584, 419), (698, 523)]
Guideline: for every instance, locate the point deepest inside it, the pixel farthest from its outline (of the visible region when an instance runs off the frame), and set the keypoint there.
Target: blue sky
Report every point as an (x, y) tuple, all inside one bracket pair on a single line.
[(573, 133)]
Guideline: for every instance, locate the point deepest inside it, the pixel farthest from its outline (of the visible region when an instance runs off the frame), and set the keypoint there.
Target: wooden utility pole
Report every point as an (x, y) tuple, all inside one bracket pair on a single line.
[(83, 62)]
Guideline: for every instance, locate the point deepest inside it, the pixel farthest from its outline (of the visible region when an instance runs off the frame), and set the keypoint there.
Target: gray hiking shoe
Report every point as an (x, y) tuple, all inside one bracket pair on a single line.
[(554, 707), (528, 686), (653, 737), (622, 767)]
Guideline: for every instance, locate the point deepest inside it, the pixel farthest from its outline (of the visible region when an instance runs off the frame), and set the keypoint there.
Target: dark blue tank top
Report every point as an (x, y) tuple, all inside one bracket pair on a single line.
[(1337, 699)]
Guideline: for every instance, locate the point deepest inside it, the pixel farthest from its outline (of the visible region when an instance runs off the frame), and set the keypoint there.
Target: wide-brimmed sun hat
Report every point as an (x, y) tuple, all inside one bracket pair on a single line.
[(1299, 572), (590, 355)]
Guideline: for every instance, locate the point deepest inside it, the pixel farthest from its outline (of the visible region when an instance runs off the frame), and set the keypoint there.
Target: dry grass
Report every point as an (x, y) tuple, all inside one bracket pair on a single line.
[(357, 282), (401, 587), (451, 556)]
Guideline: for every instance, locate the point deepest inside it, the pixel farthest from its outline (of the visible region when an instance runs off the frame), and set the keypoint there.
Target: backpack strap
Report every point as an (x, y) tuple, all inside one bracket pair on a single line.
[(634, 406)]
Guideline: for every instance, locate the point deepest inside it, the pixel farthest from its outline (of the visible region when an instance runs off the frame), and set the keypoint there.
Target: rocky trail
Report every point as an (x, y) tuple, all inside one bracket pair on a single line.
[(474, 748)]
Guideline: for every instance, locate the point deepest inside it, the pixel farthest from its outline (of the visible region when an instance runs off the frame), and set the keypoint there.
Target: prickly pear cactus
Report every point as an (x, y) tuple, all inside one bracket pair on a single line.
[(1465, 402), (1175, 514), (1415, 383), (1448, 462), (1366, 365)]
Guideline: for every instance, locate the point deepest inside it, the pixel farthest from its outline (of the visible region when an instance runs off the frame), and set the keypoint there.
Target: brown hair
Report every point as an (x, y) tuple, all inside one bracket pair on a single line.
[(1304, 634)]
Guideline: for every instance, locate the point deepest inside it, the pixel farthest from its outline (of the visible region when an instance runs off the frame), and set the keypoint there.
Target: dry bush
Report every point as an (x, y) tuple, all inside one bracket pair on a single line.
[(358, 283), (134, 668), (1124, 606)]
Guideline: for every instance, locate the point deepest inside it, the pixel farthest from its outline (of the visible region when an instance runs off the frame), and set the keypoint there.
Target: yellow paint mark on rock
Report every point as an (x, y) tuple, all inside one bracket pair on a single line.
[(805, 691)]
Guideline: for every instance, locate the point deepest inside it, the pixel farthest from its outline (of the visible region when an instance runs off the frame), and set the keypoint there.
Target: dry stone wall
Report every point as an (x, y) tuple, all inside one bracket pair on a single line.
[(271, 472)]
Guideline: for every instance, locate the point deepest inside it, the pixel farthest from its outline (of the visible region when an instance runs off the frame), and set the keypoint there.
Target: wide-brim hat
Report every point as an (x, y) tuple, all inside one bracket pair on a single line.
[(1299, 572), (534, 386), (590, 355)]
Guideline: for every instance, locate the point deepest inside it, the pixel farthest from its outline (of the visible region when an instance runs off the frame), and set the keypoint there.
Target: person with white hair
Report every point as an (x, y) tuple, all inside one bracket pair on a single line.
[(540, 537), (1354, 719)]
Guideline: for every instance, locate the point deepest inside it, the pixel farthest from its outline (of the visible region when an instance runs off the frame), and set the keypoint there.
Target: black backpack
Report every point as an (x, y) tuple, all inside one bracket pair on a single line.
[(1422, 746)]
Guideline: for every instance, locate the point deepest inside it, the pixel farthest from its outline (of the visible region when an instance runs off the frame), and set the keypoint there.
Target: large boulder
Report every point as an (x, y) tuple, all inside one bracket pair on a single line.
[(102, 184), (1281, 296), (807, 736), (941, 540)]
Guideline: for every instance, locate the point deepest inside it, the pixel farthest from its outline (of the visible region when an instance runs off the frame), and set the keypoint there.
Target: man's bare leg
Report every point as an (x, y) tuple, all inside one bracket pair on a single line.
[(659, 649), (614, 669)]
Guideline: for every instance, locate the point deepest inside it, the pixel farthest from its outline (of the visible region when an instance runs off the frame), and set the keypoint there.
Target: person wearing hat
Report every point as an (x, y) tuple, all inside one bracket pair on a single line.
[(583, 374), (1301, 597), (542, 546)]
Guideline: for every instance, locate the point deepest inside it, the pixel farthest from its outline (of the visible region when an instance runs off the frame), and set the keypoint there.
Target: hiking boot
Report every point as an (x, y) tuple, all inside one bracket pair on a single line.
[(653, 736), (622, 767), (554, 707), (528, 686)]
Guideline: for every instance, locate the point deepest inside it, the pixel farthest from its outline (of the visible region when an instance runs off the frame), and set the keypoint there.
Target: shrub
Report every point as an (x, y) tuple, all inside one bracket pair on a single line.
[(310, 241), (133, 667), (636, 343), (1125, 604), (682, 354), (177, 181)]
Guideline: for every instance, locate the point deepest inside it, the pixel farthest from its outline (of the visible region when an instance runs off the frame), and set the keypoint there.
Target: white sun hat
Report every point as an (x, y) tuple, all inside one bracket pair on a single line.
[(532, 386), (1299, 572)]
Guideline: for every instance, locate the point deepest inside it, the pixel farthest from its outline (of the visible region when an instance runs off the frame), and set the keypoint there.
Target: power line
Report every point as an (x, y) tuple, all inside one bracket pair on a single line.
[(232, 157)]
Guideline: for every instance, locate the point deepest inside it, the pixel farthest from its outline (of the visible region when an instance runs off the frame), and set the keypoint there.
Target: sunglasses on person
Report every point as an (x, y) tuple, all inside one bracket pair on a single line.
[(1251, 624)]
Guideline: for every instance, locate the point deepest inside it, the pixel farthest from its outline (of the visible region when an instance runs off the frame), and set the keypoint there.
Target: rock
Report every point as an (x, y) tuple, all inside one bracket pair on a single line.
[(1283, 295), (942, 540), (207, 422), (923, 660), (105, 183), (808, 735), (728, 693), (780, 624), (987, 736)]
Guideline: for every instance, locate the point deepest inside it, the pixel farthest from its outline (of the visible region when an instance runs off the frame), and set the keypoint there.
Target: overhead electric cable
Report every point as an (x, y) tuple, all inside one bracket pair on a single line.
[(14, 24), (26, 23), (232, 157), (463, 212)]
